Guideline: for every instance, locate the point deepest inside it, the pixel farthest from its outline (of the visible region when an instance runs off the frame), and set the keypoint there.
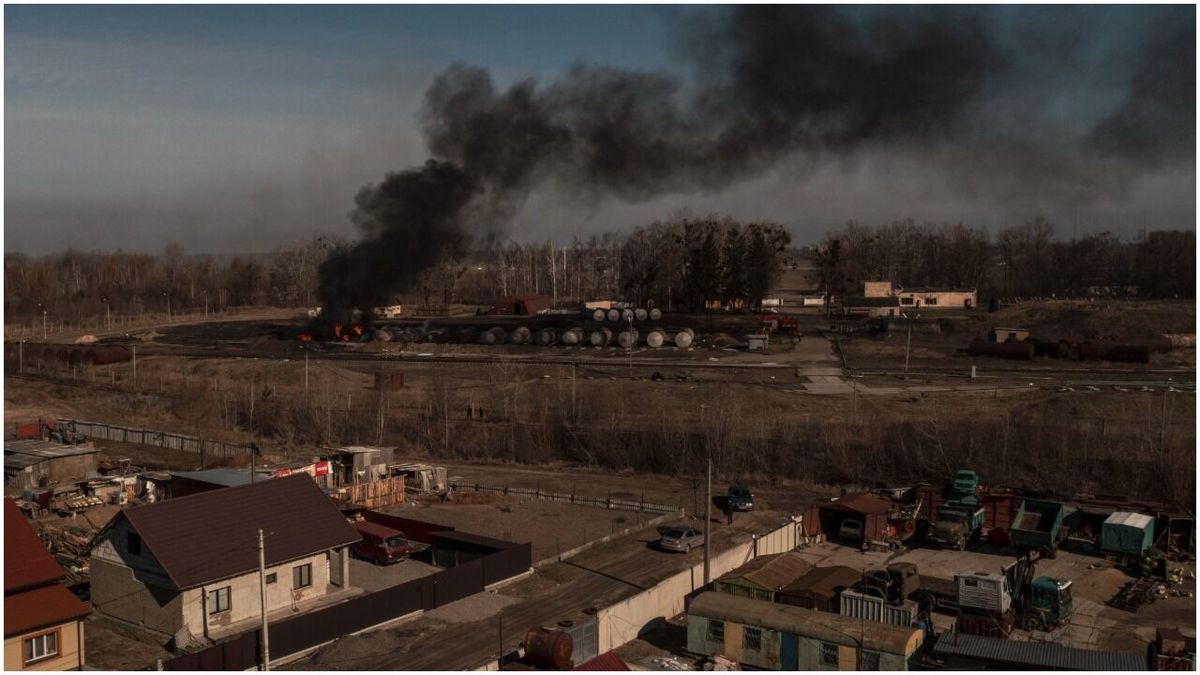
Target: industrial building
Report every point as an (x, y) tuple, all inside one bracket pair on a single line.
[(188, 567), (43, 621), (30, 464), (774, 636), (923, 298)]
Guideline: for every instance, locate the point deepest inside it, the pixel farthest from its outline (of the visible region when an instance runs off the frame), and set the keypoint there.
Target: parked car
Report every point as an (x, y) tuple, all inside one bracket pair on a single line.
[(380, 544), (682, 539), (851, 530), (740, 498)]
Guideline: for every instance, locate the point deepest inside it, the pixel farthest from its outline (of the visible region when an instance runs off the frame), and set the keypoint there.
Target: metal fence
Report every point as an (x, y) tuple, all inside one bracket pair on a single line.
[(161, 439), (312, 629), (582, 500)]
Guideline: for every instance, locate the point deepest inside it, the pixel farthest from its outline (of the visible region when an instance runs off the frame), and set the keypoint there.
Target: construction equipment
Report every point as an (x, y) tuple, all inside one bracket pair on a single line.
[(993, 604)]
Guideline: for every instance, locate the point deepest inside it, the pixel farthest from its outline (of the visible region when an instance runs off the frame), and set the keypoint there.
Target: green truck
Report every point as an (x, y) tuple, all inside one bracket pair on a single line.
[(960, 519), (957, 522), (1038, 526)]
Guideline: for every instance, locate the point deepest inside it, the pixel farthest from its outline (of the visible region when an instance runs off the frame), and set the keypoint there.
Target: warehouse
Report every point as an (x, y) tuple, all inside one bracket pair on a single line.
[(30, 464), (782, 637)]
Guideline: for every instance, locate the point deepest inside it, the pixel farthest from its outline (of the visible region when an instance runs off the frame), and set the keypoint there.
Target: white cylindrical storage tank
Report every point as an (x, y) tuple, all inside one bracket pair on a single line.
[(572, 336), (684, 338), (520, 336), (640, 314), (614, 315), (655, 314), (545, 337), (598, 315), (655, 338), (627, 314), (627, 338), (601, 337)]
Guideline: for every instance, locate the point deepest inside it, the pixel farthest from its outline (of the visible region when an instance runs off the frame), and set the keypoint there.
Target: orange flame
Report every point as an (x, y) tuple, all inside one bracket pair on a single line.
[(306, 337), (358, 330), (337, 330)]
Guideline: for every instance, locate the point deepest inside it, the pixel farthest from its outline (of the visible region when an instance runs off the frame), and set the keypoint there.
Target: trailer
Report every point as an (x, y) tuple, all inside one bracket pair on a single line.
[(1038, 527)]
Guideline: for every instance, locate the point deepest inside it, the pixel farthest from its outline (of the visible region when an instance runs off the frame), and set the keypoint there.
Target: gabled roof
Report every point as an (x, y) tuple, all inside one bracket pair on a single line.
[(863, 503), (27, 563), (214, 535), (771, 572), (41, 608), (825, 581)]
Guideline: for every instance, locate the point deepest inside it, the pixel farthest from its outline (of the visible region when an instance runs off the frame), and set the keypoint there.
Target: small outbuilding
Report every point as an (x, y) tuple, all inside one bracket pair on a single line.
[(30, 464), (820, 589), (1127, 532), (999, 334), (869, 510), (764, 576), (521, 305)]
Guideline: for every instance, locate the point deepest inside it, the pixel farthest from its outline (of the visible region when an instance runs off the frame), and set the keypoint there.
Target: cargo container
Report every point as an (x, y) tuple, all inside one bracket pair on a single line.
[(1038, 526), (861, 606), (1126, 532)]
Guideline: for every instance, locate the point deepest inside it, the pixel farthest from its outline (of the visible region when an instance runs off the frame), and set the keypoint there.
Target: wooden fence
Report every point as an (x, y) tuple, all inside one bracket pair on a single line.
[(582, 500), (161, 439)]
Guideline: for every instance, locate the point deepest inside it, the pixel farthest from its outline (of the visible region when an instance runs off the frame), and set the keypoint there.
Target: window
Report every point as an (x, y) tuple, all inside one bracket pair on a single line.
[(272, 577), (133, 544), (906, 300), (870, 661), (302, 576), (218, 600), (716, 631), (829, 655), (752, 639), (41, 646), (931, 300)]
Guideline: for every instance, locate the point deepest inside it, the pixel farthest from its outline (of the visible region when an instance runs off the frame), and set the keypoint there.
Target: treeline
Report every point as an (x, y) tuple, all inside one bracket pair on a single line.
[(78, 284), (1023, 260), (675, 264)]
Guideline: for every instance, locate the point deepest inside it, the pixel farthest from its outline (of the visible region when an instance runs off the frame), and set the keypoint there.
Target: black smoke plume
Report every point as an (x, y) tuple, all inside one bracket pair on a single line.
[(769, 82)]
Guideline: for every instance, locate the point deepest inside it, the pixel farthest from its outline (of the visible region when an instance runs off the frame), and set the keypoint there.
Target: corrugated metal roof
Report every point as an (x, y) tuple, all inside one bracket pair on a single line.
[(27, 563), (1041, 655), (46, 449), (606, 661), (41, 608), (864, 503), (1138, 520), (824, 626), (825, 580), (226, 477), (771, 572), (214, 535)]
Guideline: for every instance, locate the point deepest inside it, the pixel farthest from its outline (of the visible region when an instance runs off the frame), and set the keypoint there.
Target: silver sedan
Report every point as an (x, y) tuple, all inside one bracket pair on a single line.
[(681, 539)]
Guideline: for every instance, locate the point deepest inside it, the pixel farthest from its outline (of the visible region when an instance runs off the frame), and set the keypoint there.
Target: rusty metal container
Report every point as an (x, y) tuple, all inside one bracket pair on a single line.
[(549, 649), (1111, 351)]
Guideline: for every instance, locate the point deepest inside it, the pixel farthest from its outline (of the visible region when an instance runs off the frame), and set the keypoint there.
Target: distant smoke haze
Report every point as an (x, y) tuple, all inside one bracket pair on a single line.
[(770, 84)]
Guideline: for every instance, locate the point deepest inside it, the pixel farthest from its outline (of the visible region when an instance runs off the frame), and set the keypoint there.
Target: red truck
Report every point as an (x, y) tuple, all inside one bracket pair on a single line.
[(380, 544), (784, 325)]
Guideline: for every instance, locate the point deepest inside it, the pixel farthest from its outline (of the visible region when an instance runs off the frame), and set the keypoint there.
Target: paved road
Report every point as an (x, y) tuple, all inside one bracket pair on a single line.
[(596, 578)]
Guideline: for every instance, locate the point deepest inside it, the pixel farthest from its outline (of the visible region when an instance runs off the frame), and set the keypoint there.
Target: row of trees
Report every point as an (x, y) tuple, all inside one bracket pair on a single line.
[(1021, 260)]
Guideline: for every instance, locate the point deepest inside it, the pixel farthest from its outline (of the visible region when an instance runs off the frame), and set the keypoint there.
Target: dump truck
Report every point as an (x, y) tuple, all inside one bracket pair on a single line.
[(965, 485), (1038, 526), (957, 522)]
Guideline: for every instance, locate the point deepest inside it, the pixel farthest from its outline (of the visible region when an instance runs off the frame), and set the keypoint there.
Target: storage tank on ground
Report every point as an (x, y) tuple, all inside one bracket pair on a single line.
[(601, 337), (684, 338)]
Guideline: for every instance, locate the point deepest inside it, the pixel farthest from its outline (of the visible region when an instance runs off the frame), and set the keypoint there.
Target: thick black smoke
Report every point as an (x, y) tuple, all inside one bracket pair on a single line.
[(770, 82)]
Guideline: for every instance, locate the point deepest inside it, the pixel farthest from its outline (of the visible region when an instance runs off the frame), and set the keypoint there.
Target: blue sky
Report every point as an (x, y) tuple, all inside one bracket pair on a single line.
[(238, 128)]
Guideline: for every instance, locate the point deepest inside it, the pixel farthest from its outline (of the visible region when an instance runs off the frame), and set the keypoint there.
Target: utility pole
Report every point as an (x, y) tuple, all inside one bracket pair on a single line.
[(262, 592), (133, 348), (21, 356), (306, 374), (708, 525)]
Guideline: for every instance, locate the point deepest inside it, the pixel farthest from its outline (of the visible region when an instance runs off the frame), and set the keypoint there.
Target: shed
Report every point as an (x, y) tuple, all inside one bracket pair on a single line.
[(820, 588), (870, 510), (1127, 532), (960, 650), (31, 463), (764, 576)]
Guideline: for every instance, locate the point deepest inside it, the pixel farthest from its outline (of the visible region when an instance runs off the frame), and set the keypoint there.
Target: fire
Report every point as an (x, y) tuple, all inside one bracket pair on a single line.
[(306, 337), (337, 330), (358, 330)]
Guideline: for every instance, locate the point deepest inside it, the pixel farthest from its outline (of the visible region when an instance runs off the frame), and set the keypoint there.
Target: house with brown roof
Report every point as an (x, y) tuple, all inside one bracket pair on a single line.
[(188, 567), (764, 576), (43, 621)]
